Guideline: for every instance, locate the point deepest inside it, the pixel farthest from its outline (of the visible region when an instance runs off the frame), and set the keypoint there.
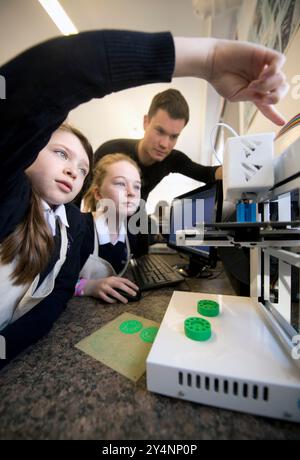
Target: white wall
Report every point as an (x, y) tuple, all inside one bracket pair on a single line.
[(222, 26), (23, 23)]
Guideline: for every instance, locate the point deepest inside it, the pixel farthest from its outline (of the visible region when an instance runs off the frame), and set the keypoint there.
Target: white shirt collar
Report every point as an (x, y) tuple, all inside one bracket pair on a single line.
[(103, 231), (51, 215)]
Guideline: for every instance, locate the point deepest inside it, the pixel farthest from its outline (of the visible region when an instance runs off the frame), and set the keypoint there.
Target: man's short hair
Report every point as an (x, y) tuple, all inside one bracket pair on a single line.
[(173, 102)]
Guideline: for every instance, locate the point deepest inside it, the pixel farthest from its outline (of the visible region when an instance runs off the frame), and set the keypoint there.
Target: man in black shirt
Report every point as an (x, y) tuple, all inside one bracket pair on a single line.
[(155, 154)]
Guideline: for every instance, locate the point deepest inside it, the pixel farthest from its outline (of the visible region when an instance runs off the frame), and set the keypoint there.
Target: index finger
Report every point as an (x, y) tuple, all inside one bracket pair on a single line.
[(272, 113)]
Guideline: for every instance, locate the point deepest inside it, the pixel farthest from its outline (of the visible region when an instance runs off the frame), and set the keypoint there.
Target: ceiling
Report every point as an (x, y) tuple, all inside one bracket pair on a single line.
[(24, 23)]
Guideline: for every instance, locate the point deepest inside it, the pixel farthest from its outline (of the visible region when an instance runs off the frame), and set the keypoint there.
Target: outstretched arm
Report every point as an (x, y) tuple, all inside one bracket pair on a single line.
[(48, 80), (239, 71)]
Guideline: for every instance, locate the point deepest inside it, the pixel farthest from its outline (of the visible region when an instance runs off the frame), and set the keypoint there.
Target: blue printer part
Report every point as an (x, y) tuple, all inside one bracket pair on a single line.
[(246, 212)]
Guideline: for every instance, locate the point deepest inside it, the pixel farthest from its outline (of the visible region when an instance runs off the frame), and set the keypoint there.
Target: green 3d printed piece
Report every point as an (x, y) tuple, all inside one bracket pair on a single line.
[(148, 334), (131, 326), (197, 328), (208, 308)]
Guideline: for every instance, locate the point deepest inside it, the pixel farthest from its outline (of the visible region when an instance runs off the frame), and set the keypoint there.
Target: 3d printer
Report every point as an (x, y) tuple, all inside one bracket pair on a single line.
[(251, 362)]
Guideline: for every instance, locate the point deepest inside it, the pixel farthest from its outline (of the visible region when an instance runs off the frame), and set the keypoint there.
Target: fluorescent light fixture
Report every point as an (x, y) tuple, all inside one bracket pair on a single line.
[(59, 16)]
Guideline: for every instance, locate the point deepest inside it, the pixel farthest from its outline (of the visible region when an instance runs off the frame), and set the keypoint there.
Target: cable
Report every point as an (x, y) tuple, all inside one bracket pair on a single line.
[(211, 140), (217, 275), (189, 287)]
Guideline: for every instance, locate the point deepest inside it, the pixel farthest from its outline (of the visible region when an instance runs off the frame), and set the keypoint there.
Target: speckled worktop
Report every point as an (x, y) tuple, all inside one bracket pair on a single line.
[(54, 391)]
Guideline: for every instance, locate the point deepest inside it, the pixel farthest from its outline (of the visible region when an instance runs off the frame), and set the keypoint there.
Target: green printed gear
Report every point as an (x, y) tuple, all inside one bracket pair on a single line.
[(148, 334), (197, 328), (208, 308), (131, 326)]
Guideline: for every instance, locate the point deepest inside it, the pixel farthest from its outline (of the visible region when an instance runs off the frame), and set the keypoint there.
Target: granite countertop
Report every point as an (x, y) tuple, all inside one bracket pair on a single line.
[(54, 391)]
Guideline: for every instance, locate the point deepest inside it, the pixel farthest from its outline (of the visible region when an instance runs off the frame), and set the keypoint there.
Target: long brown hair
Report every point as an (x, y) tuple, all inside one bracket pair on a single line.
[(31, 244), (99, 174)]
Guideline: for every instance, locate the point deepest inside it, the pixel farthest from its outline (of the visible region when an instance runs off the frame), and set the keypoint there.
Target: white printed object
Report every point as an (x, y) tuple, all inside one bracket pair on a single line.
[(248, 170)]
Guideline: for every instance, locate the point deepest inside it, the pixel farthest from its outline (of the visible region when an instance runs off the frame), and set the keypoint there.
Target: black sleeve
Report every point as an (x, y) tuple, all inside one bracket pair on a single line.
[(47, 81), (126, 146), (87, 246), (32, 326), (182, 164), (111, 146)]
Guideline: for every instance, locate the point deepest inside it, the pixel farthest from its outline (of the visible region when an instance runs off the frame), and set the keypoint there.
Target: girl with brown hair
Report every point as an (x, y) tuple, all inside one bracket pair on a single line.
[(33, 254)]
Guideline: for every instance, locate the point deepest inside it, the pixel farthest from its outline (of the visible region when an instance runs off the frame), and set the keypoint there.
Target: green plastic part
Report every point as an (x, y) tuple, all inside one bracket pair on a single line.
[(131, 326), (208, 308), (197, 328), (148, 334)]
